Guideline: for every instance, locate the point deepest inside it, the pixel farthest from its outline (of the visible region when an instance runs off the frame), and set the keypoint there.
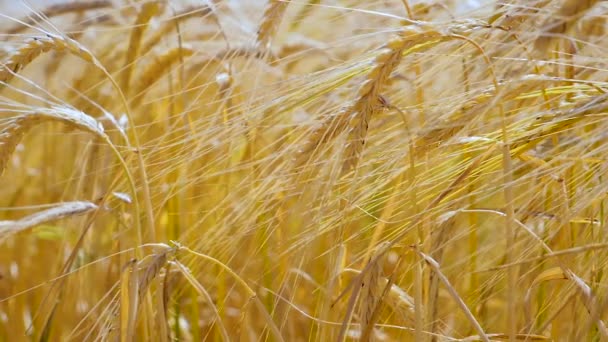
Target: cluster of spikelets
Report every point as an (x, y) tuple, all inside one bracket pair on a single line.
[(310, 170)]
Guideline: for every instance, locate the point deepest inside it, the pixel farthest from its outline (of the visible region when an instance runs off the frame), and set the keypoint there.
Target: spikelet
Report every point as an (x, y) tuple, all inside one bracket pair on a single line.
[(12, 135), (135, 281), (60, 211), (33, 48), (369, 101)]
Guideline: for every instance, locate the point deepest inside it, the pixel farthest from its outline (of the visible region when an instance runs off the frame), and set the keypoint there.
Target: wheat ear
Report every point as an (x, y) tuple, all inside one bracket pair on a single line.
[(34, 47), (368, 100), (371, 293), (273, 14), (151, 269), (18, 126), (356, 116), (60, 211), (61, 9)]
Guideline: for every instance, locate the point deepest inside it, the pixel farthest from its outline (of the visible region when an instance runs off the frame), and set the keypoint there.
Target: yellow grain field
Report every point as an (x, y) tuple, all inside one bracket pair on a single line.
[(306, 170)]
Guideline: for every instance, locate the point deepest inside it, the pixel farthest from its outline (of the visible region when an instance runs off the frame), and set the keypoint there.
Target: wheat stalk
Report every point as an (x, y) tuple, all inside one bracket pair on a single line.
[(468, 314), (368, 101), (567, 16), (355, 117), (128, 301), (303, 13)]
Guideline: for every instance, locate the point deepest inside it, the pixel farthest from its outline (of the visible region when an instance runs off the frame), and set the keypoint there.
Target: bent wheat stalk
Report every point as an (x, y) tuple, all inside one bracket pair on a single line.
[(468, 314)]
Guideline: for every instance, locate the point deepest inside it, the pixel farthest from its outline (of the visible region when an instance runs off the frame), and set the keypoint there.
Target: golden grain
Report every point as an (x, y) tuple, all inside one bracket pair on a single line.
[(429, 134), (61, 210)]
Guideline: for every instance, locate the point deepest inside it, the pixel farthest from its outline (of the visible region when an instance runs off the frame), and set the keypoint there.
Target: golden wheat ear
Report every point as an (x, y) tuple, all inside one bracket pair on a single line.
[(34, 47), (18, 126), (60, 211)]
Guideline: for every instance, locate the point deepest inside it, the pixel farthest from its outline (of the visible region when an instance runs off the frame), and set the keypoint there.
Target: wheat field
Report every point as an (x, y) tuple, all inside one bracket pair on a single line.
[(306, 170)]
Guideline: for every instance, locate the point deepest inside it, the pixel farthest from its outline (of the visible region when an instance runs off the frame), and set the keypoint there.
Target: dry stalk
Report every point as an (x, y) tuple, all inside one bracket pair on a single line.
[(274, 330), (439, 237), (435, 266), (303, 13), (128, 301), (185, 271)]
